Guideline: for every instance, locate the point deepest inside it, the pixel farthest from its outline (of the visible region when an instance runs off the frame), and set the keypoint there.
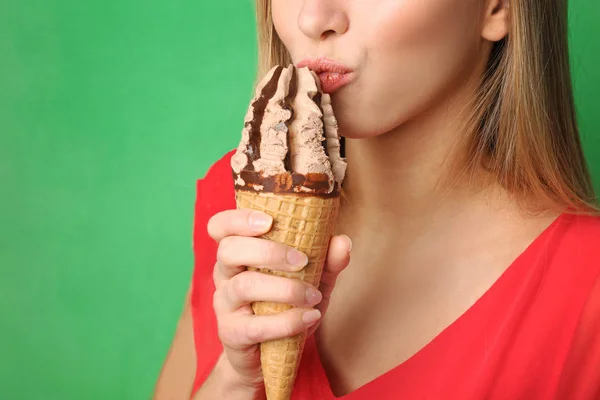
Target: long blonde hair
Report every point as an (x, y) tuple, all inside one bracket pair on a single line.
[(524, 128)]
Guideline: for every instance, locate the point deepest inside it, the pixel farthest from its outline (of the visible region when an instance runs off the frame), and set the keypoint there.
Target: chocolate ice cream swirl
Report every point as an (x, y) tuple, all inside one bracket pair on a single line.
[(290, 142)]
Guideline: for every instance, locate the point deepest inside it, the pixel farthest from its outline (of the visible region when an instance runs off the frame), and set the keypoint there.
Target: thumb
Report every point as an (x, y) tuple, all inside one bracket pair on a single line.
[(338, 258)]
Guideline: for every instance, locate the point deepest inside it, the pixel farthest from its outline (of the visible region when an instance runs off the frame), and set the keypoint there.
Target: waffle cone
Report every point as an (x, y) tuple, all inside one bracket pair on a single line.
[(307, 224)]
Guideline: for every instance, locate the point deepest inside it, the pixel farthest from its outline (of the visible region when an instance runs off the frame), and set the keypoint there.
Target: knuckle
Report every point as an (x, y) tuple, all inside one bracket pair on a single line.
[(225, 248), (272, 252), (215, 275), (289, 325), (245, 216), (239, 285), (291, 291), (225, 332), (217, 299), (254, 331)]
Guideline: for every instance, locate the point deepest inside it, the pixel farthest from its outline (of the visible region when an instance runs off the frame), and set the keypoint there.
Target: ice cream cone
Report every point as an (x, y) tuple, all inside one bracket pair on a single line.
[(289, 164), (307, 224)]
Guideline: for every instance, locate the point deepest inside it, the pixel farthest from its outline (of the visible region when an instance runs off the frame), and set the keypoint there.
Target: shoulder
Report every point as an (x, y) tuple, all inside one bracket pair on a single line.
[(566, 269), (214, 193), (559, 325), (581, 253), (571, 259), (215, 190), (567, 258), (580, 239)]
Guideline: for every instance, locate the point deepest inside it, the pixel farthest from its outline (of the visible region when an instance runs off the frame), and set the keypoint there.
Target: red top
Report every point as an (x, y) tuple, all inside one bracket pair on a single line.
[(534, 335)]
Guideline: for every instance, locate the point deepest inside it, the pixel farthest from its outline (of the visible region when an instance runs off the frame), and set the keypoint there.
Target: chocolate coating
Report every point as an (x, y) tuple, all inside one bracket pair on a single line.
[(288, 183)]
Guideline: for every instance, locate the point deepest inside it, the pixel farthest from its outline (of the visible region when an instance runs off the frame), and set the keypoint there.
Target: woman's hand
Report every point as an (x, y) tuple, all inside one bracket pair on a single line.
[(240, 330)]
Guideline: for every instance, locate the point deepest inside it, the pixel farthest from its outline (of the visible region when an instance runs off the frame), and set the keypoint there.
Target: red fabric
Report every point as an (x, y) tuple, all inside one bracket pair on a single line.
[(535, 334)]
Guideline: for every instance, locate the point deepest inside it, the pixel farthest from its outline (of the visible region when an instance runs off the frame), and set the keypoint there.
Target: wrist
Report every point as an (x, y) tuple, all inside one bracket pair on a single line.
[(233, 385)]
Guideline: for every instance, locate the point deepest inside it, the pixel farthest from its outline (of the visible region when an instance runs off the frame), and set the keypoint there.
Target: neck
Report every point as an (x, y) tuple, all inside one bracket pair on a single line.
[(412, 171), (414, 180), (403, 197)]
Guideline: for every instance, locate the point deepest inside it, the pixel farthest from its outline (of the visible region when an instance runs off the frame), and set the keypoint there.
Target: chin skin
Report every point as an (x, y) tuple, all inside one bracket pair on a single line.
[(410, 57), (359, 121)]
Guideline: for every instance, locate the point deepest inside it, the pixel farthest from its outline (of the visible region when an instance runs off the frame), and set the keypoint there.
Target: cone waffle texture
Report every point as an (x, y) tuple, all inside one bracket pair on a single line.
[(307, 224)]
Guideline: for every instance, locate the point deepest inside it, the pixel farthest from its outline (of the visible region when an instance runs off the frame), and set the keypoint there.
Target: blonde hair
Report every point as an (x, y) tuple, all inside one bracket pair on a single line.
[(524, 128)]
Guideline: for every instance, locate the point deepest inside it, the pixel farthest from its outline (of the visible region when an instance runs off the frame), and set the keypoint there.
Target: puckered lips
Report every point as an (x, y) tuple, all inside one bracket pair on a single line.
[(332, 74)]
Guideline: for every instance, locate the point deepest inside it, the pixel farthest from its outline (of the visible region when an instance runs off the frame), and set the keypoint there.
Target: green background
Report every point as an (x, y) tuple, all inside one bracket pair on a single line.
[(109, 112)]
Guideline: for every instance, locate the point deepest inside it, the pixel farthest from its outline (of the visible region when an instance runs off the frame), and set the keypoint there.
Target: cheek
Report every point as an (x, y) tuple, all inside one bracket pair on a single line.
[(418, 21), (285, 20), (415, 51)]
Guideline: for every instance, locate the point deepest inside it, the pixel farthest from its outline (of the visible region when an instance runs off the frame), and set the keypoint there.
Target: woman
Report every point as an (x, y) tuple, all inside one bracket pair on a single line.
[(475, 267)]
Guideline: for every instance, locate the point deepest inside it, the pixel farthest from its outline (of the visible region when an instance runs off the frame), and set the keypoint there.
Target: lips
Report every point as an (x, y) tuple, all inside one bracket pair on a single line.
[(333, 75)]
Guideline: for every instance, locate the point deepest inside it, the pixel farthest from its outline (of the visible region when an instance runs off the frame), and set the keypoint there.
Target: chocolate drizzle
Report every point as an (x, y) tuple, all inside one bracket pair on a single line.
[(290, 183), (259, 106), (287, 105), (317, 99)]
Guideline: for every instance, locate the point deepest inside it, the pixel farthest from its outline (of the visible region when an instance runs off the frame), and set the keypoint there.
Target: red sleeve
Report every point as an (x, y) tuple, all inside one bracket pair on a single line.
[(582, 380), (214, 194), (582, 377)]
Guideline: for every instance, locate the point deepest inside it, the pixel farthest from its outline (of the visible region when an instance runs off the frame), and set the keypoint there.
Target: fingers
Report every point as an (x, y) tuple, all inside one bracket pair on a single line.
[(241, 222), (248, 287), (338, 258), (237, 252), (238, 332)]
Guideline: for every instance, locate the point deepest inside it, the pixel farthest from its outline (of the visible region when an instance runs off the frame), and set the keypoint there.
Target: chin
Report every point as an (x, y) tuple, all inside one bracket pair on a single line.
[(356, 124), (352, 131)]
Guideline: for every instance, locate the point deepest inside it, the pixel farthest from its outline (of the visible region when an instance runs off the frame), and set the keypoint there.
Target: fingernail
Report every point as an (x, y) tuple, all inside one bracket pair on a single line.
[(349, 243), (296, 258), (259, 221), (310, 317), (313, 296)]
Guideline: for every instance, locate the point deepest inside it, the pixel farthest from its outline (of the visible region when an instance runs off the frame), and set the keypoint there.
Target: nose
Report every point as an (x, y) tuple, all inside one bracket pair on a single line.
[(320, 19)]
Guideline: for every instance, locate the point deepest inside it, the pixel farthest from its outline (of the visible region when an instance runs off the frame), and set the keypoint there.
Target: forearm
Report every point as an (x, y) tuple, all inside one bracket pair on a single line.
[(177, 375), (224, 383)]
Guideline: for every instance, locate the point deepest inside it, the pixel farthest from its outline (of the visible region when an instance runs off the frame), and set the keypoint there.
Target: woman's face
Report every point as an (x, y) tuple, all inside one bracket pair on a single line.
[(406, 56)]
